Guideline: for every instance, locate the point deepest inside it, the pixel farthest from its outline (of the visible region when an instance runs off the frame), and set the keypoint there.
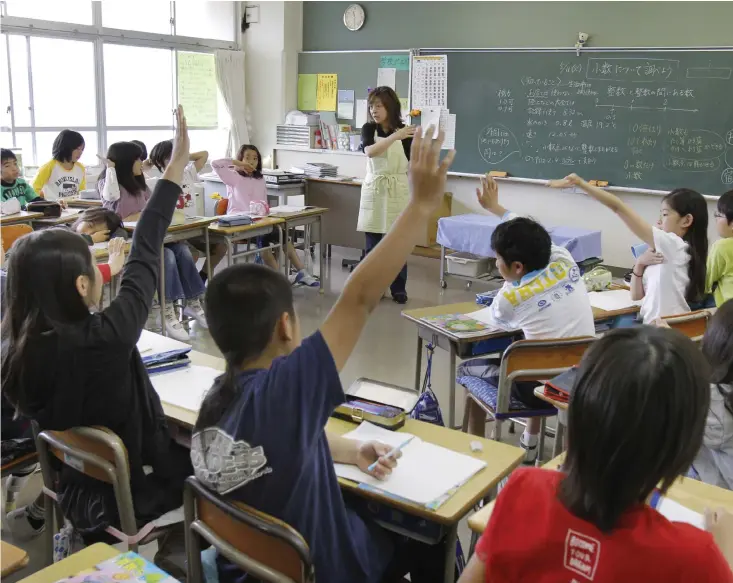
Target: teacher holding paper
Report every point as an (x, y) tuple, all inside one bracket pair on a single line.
[(384, 192)]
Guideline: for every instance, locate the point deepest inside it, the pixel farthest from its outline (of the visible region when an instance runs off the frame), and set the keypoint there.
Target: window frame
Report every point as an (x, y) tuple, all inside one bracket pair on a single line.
[(99, 35)]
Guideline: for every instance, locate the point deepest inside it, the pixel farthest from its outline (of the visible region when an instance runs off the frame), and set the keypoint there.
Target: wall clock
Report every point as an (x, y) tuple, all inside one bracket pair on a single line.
[(354, 17)]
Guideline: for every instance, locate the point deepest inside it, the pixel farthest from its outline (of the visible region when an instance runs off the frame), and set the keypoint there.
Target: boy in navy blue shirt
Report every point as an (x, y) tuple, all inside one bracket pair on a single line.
[(260, 435)]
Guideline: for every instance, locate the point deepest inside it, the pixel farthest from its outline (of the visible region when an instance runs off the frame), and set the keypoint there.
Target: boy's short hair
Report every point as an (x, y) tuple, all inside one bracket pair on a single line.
[(522, 240), (8, 155), (725, 205), (636, 419)]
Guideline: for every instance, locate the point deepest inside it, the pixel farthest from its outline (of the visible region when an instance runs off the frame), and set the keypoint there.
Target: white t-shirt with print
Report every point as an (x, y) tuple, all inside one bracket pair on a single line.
[(186, 200), (57, 182), (665, 284), (547, 303)]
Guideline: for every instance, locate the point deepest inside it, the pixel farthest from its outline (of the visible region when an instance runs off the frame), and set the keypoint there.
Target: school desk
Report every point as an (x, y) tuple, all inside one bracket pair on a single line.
[(191, 228), (693, 494), (84, 560), (83, 203), (19, 217), (68, 216), (306, 219), (343, 198), (458, 347), (500, 459), (233, 235), (12, 559)]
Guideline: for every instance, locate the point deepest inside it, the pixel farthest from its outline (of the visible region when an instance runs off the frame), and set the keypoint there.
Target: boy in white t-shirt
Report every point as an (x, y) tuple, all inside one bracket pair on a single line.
[(543, 296)]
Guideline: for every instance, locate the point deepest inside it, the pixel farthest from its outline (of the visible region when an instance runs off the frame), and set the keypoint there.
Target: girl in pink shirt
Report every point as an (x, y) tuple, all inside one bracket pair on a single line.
[(245, 184)]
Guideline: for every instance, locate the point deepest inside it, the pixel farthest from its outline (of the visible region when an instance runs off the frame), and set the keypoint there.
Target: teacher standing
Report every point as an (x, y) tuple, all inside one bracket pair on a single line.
[(384, 192)]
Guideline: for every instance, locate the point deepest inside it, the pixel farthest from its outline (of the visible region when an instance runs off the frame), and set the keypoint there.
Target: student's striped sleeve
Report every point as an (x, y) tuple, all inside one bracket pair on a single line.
[(44, 173)]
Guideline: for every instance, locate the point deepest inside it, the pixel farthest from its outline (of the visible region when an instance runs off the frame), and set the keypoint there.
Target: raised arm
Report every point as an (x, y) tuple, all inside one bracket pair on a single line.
[(364, 288), (488, 196), (128, 312), (227, 171), (199, 159), (111, 188), (378, 148), (628, 215)]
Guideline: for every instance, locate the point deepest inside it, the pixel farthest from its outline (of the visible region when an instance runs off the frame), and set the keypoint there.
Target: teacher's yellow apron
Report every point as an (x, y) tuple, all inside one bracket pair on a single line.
[(384, 191)]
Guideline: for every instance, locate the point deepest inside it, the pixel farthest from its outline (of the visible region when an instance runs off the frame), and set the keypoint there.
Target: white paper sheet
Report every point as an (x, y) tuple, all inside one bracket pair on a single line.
[(484, 316), (387, 77), (675, 512), (429, 81), (450, 132), (152, 343), (345, 106), (285, 209), (361, 113), (615, 299), (430, 116), (185, 387), (424, 473)]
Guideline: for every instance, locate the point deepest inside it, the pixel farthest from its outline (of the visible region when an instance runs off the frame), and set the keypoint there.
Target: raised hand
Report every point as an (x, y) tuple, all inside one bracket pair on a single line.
[(116, 251), (181, 147), (488, 195), (106, 161), (427, 173), (567, 182)]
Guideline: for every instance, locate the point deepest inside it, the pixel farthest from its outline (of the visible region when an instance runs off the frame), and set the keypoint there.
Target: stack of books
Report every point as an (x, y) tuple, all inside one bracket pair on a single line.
[(320, 170)]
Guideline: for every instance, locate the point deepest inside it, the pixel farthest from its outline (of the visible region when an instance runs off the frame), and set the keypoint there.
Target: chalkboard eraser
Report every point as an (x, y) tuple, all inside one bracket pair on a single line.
[(599, 183), (497, 174)]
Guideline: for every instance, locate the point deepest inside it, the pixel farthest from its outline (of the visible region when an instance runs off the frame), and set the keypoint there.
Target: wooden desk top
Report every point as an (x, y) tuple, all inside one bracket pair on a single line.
[(356, 182), (539, 392), (693, 494), (85, 559), (19, 217), (188, 224), (67, 216), (12, 558), (299, 215), (265, 222), (500, 459), (76, 202)]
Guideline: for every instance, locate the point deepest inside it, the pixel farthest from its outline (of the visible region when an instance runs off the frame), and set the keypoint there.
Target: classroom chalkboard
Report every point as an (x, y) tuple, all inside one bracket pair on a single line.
[(652, 120), (356, 71)]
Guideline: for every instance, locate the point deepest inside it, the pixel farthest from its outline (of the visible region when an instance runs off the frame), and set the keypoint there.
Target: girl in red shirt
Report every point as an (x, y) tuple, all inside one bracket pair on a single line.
[(636, 420)]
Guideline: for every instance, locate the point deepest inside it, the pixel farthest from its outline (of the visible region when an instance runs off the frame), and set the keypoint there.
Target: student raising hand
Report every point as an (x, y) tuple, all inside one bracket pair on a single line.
[(116, 250), (181, 147)]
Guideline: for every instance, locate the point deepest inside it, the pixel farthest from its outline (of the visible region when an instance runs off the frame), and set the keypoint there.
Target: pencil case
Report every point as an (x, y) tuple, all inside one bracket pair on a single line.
[(379, 403), (487, 298)]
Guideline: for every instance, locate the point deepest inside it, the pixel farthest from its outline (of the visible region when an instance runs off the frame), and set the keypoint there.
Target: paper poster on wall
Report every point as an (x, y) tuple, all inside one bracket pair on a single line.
[(430, 116), (361, 113), (307, 89), (197, 88), (326, 92), (387, 78), (450, 132), (398, 62), (346, 104), (403, 108), (430, 81)]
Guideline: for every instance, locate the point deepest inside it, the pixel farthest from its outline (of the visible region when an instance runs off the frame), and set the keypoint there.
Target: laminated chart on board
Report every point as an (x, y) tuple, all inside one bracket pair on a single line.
[(197, 88), (326, 92), (307, 91), (387, 77), (346, 104), (430, 81)]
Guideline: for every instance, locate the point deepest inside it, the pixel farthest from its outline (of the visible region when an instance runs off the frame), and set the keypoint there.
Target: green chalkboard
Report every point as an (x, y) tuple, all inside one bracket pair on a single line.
[(655, 120), (356, 71)]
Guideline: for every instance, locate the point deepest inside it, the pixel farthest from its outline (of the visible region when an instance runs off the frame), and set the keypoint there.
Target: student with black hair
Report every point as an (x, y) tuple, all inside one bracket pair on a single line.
[(543, 296), (13, 186), (384, 191), (636, 421), (66, 366), (64, 175), (97, 225), (670, 275), (143, 151), (124, 191), (719, 278), (272, 404)]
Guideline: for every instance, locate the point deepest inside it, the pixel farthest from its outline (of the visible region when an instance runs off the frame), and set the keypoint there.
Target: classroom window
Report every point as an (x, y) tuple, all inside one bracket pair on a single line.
[(153, 16), (18, 62), (24, 141), (5, 120), (53, 10), (205, 20)]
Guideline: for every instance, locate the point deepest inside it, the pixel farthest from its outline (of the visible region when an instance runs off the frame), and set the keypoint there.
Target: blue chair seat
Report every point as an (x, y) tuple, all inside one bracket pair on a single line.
[(487, 393)]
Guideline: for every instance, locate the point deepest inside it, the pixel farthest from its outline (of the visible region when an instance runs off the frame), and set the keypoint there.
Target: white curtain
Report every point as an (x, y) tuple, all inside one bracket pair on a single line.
[(230, 79)]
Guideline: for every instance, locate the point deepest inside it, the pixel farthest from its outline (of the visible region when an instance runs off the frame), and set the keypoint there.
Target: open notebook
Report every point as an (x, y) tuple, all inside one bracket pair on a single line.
[(425, 473)]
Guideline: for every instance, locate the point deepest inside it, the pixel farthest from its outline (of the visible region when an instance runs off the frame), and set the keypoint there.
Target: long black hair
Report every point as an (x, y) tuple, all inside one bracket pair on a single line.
[(41, 296), (65, 143), (161, 154), (143, 149), (243, 305), (240, 156), (95, 216), (636, 419), (685, 201), (717, 347), (124, 155), (390, 101)]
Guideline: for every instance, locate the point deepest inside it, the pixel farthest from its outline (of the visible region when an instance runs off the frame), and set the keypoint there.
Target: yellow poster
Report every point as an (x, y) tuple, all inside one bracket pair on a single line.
[(197, 88), (307, 90), (327, 91)]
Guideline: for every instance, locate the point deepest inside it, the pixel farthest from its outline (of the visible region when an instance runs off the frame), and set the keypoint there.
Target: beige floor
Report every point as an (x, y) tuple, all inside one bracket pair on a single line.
[(386, 350)]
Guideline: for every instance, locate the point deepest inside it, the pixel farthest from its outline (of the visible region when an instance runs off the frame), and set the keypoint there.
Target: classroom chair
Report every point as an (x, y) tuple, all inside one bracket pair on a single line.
[(261, 545), (221, 207), (692, 325), (13, 559), (11, 233), (524, 360), (100, 454)]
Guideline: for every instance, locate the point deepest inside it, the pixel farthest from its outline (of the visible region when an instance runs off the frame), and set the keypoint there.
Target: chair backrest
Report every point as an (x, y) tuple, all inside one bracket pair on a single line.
[(221, 206), (537, 360), (258, 543), (96, 452), (10, 233), (692, 325)]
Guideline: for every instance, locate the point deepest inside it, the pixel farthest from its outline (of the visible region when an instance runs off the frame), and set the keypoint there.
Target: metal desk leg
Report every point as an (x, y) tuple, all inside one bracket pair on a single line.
[(208, 254), (418, 363), (283, 255), (452, 385), (443, 283), (161, 291), (450, 554), (322, 255), (230, 261), (558, 448)]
